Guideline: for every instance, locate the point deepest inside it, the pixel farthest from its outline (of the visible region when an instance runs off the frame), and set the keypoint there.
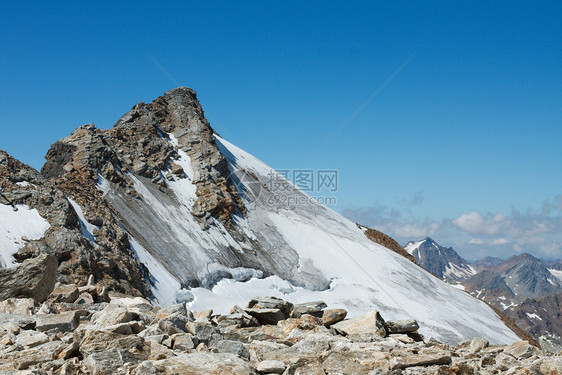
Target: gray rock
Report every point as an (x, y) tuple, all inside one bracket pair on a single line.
[(551, 344), (400, 363), (401, 326), (521, 350), (371, 323), (198, 363), (31, 339), (205, 332), (64, 322), (271, 367), (271, 303), (232, 347), (478, 344), (34, 278), (266, 315), (184, 342), (23, 306), (312, 308)]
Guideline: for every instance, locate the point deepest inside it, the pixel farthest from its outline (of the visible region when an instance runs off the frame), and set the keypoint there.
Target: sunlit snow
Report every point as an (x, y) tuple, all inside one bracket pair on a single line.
[(14, 225)]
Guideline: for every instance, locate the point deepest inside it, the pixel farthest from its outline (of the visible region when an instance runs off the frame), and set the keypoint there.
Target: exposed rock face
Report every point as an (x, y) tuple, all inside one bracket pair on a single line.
[(138, 144), (110, 260), (34, 278), (386, 241), (126, 336), (528, 276), (539, 316)]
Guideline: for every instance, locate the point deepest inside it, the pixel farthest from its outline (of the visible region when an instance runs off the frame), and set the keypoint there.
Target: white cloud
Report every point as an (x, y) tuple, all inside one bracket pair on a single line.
[(475, 223), (500, 241), (537, 231)]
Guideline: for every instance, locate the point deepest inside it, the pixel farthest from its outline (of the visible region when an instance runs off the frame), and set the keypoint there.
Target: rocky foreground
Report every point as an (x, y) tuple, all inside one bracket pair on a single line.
[(82, 330)]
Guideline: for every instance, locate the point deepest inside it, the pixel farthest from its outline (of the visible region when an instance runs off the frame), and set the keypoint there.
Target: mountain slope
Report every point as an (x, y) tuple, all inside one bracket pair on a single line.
[(204, 218), (37, 218), (443, 262)]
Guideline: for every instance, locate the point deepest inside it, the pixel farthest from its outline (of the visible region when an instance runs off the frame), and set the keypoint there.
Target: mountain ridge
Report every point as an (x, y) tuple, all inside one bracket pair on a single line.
[(195, 219)]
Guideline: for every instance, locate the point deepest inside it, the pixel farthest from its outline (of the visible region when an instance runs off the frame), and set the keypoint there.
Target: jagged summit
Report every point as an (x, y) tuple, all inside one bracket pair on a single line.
[(148, 141), (441, 261)]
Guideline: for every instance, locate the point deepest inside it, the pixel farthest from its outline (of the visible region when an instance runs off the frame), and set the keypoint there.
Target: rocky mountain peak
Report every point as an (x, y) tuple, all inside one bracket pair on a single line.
[(146, 142), (441, 261)]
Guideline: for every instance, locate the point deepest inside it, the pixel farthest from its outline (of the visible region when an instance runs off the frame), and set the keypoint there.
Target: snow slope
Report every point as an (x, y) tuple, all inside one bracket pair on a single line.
[(299, 252), (17, 224), (556, 273)]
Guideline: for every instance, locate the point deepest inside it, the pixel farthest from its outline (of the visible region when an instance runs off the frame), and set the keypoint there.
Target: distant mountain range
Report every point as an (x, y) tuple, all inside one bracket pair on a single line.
[(441, 261), (525, 288)]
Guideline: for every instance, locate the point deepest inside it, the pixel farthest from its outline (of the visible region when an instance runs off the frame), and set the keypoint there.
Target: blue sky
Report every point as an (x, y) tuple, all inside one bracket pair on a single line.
[(469, 129)]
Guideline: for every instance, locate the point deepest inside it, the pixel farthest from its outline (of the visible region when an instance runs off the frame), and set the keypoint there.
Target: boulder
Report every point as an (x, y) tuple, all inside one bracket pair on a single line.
[(333, 316), (271, 303), (401, 326), (266, 315), (371, 323), (204, 331), (34, 278), (400, 363), (197, 363), (271, 367), (184, 342), (551, 345), (67, 293), (31, 339), (111, 315), (23, 306), (478, 344), (232, 347), (521, 350), (311, 308), (64, 322)]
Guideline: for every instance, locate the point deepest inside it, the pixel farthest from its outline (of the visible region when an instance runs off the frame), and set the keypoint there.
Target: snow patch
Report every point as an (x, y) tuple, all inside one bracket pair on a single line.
[(14, 225), (86, 227), (165, 286), (533, 316), (459, 286), (556, 273)]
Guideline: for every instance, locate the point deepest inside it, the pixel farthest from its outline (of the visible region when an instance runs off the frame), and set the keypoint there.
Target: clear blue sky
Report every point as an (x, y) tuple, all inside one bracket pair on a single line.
[(472, 124)]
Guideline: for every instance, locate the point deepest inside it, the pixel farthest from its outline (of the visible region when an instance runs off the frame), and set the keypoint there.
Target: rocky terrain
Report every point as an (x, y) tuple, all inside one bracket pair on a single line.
[(109, 259), (84, 330)]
